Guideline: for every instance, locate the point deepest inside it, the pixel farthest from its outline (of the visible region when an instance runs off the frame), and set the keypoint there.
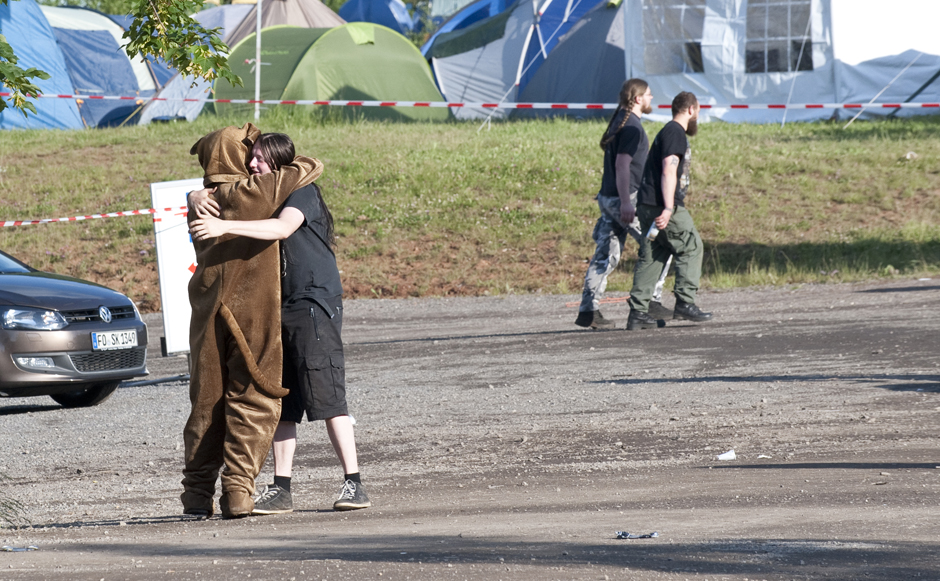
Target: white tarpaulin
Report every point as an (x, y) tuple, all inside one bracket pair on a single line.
[(756, 51)]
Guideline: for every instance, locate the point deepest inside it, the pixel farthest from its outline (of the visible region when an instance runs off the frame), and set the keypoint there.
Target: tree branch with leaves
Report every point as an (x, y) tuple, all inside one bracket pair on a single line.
[(165, 29), (161, 29), (17, 81)]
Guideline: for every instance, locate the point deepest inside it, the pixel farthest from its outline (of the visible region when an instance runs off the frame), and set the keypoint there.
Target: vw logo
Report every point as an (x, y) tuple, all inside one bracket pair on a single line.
[(105, 314)]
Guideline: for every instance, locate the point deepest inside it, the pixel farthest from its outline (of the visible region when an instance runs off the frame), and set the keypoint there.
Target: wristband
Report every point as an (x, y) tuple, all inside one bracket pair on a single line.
[(673, 210)]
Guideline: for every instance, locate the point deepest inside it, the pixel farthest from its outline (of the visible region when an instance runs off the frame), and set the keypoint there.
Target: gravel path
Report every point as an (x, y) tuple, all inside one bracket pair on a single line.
[(498, 440)]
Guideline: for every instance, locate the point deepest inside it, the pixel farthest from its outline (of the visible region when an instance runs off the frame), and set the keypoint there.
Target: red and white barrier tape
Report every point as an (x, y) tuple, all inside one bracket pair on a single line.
[(93, 216), (481, 105)]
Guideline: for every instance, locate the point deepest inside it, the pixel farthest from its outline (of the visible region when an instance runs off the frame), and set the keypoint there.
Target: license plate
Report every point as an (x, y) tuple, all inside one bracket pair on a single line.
[(113, 340)]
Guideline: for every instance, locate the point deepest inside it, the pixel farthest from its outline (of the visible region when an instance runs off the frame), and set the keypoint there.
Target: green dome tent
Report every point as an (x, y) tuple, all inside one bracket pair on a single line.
[(358, 61)]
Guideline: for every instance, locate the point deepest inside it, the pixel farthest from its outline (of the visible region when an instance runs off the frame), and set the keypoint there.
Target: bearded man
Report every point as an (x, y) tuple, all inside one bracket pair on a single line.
[(662, 203), (625, 146)]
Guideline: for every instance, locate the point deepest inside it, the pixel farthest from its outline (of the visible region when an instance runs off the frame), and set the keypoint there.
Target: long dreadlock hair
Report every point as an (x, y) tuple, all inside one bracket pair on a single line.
[(630, 90)]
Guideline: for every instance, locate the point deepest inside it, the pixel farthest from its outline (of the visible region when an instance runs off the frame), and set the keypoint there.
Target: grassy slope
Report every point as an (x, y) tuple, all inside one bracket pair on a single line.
[(435, 209)]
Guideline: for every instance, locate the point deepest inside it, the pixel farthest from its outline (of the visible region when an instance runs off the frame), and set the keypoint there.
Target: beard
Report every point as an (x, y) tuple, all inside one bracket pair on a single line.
[(692, 128), (647, 110)]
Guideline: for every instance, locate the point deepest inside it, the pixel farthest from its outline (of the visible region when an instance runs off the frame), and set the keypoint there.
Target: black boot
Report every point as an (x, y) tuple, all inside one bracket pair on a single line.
[(658, 311), (638, 320), (594, 320), (690, 312)]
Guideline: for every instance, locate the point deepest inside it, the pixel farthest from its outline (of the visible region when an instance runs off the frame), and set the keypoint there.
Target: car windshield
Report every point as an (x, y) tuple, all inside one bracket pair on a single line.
[(8, 265)]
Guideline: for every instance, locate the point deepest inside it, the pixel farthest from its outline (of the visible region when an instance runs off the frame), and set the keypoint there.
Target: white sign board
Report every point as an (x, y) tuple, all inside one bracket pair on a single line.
[(176, 259)]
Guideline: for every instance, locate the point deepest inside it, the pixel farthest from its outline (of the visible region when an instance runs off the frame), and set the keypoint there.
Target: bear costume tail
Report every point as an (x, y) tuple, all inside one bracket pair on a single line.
[(264, 385)]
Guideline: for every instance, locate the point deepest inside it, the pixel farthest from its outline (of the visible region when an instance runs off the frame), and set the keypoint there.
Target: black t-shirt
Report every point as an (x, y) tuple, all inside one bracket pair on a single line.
[(308, 265), (630, 140), (671, 140)]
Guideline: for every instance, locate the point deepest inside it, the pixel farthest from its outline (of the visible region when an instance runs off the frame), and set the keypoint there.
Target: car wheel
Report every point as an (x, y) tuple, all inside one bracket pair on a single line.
[(88, 397)]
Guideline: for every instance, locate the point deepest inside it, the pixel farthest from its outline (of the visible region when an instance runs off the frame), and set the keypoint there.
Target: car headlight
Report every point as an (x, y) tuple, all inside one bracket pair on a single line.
[(35, 319)]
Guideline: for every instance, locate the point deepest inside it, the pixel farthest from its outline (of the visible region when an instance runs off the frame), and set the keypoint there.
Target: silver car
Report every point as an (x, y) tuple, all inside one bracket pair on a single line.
[(66, 338)]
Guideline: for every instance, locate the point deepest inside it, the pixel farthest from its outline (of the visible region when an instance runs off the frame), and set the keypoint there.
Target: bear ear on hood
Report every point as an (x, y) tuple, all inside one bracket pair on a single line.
[(224, 154)]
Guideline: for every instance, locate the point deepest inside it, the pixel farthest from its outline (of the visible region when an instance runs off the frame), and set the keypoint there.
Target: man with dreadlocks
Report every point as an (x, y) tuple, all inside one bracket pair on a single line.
[(625, 146)]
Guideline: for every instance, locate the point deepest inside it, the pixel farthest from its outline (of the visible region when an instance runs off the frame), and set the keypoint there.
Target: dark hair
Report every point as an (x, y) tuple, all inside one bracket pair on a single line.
[(277, 150), (683, 101), (630, 90)]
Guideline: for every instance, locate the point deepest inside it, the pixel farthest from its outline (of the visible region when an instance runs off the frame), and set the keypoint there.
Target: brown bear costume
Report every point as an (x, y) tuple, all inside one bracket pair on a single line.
[(235, 330)]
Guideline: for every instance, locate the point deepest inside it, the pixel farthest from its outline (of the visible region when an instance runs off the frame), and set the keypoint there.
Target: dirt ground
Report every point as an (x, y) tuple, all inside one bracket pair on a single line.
[(499, 441)]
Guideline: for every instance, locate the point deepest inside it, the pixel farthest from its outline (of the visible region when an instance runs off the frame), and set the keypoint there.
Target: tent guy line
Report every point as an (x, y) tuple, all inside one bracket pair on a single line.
[(439, 104)]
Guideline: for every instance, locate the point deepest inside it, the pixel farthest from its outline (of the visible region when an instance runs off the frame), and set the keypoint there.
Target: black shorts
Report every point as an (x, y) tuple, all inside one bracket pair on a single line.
[(314, 366)]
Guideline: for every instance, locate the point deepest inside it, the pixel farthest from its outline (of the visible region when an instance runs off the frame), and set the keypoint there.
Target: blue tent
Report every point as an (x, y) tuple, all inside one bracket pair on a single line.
[(31, 37), (493, 60), (389, 13), (97, 64), (469, 14)]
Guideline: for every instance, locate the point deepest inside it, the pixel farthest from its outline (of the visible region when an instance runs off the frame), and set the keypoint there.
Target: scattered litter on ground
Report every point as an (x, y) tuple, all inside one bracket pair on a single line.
[(763, 456), (10, 549), (729, 455), (626, 535)]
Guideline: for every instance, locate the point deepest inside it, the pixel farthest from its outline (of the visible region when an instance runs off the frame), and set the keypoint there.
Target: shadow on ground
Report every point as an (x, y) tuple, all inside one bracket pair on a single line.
[(893, 382), (845, 558)]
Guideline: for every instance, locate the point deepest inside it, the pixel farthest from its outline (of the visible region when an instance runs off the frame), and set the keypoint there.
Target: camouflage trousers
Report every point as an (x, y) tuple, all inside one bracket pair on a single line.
[(610, 234)]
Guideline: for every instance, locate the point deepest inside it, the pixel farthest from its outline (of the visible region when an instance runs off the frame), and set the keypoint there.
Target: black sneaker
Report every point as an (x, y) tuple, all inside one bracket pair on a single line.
[(594, 320), (658, 311), (690, 312), (273, 500), (638, 320), (352, 497)]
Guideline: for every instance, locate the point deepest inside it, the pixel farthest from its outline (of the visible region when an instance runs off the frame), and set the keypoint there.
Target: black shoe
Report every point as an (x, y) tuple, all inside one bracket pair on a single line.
[(594, 320), (658, 311), (638, 320), (352, 497), (690, 312), (273, 500)]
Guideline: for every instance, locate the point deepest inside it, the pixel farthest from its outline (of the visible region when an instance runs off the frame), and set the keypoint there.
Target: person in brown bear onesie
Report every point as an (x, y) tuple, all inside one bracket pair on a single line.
[(235, 330)]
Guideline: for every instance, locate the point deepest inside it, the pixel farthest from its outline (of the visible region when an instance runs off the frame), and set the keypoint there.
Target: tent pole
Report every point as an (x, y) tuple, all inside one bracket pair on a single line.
[(917, 92), (630, 8), (258, 61), (862, 110), (796, 73)]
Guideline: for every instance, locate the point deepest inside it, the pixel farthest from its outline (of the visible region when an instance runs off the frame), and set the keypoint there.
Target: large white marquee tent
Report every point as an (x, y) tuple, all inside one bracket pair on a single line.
[(755, 52), (758, 51)]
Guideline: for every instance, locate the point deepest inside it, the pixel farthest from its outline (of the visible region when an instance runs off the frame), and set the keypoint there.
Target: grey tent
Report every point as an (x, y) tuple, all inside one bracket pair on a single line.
[(302, 13)]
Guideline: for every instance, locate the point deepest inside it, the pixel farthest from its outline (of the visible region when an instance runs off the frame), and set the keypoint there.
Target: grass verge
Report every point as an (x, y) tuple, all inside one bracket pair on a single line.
[(447, 209)]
